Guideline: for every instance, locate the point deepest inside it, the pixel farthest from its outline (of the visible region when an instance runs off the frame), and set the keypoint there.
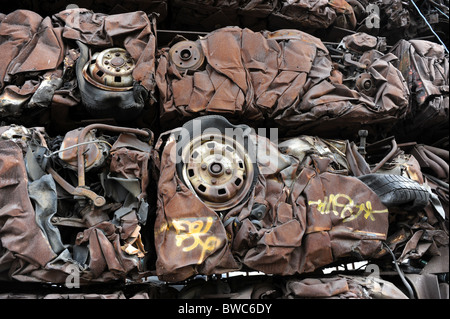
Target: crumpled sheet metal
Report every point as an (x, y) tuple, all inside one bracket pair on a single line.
[(325, 217), (317, 219), (20, 54), (315, 14), (189, 237), (26, 38), (207, 15), (52, 38), (34, 249), (24, 247), (261, 14), (284, 77), (242, 287), (425, 61), (103, 6), (343, 287), (102, 30), (425, 67)]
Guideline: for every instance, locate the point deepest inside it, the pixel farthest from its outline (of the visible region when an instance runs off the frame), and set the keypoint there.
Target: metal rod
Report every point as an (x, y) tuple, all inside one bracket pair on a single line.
[(77, 191), (80, 158), (387, 157)]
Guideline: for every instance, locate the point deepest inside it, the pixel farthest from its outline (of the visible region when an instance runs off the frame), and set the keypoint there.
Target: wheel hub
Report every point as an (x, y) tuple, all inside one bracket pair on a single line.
[(186, 55), (218, 170), (110, 69)]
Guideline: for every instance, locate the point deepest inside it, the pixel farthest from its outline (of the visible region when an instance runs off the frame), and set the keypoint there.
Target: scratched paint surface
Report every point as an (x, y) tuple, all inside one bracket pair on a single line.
[(196, 235), (345, 207)]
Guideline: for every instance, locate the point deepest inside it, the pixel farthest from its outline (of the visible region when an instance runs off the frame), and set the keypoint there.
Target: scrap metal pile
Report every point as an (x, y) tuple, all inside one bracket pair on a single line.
[(190, 140)]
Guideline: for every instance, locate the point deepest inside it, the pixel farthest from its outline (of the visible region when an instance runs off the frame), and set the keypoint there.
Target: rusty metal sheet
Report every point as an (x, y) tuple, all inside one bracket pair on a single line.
[(27, 38), (321, 217), (39, 66), (21, 54), (342, 287), (285, 78), (113, 30), (187, 229), (301, 207), (313, 14), (25, 247), (97, 242), (343, 221), (207, 15), (426, 71)]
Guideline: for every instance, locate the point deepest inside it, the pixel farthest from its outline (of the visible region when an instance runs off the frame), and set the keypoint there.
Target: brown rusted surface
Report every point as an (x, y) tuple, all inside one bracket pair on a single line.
[(52, 54), (78, 191), (106, 230), (425, 70), (106, 30), (69, 149), (349, 97), (19, 232), (80, 150), (327, 226), (315, 14), (284, 77), (320, 218), (185, 224)]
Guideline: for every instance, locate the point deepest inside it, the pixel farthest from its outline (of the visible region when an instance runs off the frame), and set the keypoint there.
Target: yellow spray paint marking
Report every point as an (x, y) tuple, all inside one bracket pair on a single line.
[(343, 205), (196, 230)]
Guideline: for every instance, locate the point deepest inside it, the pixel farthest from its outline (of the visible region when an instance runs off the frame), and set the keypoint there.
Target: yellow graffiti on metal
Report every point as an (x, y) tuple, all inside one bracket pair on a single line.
[(196, 230), (344, 206)]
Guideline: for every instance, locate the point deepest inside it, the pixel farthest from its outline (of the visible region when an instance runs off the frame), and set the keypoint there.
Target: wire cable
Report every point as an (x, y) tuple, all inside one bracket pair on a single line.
[(400, 272), (76, 145), (441, 12), (429, 26)]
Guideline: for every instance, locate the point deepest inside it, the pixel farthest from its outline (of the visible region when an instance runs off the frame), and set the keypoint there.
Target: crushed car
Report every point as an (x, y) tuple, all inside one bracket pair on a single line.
[(89, 72), (312, 202), (284, 79), (60, 213), (286, 139)]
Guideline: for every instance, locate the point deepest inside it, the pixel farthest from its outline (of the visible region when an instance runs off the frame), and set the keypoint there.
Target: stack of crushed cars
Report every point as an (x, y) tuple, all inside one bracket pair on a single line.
[(145, 159)]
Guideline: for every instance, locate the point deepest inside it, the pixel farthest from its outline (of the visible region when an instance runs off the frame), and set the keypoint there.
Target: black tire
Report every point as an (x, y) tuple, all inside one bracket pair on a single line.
[(122, 106), (397, 191)]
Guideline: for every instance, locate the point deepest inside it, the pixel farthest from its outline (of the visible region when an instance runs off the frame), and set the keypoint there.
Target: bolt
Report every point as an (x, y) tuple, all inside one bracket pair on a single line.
[(203, 166), (367, 84), (228, 171), (214, 181)]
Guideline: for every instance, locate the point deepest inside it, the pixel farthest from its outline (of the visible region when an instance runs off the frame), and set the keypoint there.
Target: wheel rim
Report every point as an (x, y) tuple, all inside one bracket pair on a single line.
[(218, 170)]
